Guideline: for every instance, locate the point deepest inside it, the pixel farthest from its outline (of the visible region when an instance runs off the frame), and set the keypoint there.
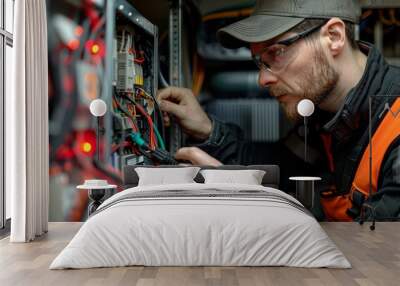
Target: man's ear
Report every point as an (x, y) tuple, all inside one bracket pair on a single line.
[(334, 33)]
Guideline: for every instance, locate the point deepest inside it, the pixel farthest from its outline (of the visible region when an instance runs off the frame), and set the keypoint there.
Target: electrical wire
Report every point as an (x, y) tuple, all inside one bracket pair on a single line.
[(116, 147), (150, 149), (133, 125), (158, 109), (127, 113), (146, 93), (134, 128), (157, 154), (152, 140), (140, 60), (157, 133), (163, 81), (154, 127), (151, 125), (160, 140)]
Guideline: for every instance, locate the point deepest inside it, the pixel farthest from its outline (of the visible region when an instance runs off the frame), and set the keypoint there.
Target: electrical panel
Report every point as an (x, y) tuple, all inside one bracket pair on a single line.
[(133, 98), (138, 136), (100, 50)]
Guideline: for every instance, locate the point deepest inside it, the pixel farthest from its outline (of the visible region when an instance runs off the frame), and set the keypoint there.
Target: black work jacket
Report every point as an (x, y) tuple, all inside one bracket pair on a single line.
[(348, 129)]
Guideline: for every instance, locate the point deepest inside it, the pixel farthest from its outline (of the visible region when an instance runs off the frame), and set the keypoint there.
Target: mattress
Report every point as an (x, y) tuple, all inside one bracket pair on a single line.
[(201, 225)]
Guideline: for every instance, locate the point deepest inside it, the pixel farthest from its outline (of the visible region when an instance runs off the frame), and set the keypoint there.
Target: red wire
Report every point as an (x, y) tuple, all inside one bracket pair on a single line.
[(152, 134), (115, 147), (150, 121), (139, 61), (134, 127), (152, 137)]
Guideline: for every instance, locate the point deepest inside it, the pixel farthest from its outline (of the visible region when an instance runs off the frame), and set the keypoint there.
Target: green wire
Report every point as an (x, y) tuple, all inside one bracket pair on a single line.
[(138, 139), (160, 140)]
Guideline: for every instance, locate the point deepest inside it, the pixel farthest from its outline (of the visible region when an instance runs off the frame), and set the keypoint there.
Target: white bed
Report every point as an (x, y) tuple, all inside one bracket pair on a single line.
[(221, 225)]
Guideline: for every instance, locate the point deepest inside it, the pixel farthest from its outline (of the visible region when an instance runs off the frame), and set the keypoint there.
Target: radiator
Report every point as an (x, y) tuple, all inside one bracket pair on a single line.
[(258, 118)]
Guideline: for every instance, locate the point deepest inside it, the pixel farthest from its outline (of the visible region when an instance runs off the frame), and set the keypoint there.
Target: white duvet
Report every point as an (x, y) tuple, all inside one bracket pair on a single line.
[(202, 231)]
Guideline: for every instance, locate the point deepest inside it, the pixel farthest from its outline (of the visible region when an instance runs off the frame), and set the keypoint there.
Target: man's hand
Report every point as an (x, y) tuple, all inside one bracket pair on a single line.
[(181, 103), (196, 156)]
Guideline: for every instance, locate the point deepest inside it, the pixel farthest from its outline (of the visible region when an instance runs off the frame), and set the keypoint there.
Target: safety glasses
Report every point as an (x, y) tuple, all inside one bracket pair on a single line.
[(276, 57)]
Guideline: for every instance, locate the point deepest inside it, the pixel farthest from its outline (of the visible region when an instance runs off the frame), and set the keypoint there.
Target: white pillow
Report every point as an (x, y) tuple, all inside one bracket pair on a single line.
[(163, 176), (248, 177)]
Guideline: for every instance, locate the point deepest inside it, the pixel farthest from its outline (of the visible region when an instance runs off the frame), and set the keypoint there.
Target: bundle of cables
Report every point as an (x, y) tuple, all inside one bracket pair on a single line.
[(150, 149), (143, 93)]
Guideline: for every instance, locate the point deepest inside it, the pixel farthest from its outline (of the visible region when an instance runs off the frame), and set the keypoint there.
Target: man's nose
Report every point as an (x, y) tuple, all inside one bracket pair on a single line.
[(266, 78)]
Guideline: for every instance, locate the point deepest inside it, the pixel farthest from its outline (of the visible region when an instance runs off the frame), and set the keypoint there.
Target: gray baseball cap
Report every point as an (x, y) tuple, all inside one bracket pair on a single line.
[(272, 18)]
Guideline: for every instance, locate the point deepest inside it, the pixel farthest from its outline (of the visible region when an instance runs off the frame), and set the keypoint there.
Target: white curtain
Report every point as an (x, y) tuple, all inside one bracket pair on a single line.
[(27, 124)]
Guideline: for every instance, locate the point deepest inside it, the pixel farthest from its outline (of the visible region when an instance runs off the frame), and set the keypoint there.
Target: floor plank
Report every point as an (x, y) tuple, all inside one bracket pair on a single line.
[(375, 257)]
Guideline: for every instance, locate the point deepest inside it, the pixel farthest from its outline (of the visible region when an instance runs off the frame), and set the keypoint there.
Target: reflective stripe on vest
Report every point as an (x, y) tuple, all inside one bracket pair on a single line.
[(335, 208)]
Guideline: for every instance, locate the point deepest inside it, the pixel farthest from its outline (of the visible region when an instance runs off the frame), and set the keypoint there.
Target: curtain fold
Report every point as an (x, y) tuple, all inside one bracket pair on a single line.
[(27, 124)]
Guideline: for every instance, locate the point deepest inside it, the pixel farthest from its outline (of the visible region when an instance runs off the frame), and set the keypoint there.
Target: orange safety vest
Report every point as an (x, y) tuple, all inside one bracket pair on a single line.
[(335, 208)]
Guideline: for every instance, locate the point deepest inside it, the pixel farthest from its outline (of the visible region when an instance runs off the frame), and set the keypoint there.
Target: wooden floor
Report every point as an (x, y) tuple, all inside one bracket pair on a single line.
[(375, 257)]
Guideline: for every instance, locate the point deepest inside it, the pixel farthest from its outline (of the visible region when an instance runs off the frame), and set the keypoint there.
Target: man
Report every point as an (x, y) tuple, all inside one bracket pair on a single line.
[(306, 49)]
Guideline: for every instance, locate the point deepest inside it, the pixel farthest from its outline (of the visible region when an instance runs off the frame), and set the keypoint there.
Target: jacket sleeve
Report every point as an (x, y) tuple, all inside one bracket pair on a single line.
[(226, 143), (386, 201), (223, 142)]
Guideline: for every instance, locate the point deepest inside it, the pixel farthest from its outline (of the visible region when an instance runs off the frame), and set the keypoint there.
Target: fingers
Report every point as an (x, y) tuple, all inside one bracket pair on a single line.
[(175, 109), (183, 154), (170, 100), (166, 119), (173, 93), (196, 156)]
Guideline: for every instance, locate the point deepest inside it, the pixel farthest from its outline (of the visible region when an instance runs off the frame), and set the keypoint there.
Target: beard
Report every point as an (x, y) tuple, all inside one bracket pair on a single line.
[(315, 83)]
